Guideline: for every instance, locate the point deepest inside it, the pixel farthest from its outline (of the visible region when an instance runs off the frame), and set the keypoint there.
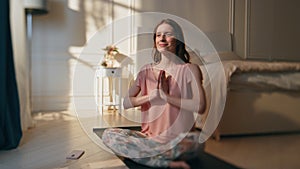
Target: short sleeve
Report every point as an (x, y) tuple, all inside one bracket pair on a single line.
[(189, 74), (140, 79)]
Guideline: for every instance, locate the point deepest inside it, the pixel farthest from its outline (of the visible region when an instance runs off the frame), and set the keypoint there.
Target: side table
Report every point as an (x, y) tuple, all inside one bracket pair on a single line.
[(114, 76)]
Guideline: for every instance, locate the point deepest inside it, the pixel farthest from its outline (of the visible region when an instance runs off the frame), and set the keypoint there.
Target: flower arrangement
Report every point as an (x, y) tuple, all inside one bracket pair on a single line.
[(108, 60)]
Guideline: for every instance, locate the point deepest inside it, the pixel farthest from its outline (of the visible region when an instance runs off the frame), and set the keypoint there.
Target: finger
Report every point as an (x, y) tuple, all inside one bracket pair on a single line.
[(168, 83), (169, 78), (163, 78), (163, 74), (160, 79)]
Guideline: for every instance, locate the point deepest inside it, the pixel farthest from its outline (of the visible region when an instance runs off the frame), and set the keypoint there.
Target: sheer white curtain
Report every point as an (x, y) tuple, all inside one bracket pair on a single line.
[(21, 59)]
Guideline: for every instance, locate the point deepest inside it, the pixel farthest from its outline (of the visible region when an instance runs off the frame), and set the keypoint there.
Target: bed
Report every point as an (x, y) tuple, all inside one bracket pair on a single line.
[(262, 97)]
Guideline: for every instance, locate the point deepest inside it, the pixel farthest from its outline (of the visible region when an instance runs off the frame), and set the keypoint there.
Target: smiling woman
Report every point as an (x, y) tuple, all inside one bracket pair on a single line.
[(169, 92)]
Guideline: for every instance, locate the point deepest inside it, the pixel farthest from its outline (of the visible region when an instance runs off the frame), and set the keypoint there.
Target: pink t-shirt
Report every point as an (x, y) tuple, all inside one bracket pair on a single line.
[(161, 120)]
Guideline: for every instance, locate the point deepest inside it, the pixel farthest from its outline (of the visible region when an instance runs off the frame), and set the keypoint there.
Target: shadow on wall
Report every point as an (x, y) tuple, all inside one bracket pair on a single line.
[(53, 34), (69, 24)]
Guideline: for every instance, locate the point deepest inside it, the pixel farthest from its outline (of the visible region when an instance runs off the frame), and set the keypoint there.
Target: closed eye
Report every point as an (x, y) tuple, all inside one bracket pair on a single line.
[(168, 34)]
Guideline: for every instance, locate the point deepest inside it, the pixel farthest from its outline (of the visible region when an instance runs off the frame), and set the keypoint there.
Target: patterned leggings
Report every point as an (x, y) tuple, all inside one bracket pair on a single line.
[(134, 145)]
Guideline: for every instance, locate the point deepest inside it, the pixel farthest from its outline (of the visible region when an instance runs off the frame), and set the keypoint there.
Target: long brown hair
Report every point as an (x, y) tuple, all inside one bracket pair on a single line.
[(180, 45)]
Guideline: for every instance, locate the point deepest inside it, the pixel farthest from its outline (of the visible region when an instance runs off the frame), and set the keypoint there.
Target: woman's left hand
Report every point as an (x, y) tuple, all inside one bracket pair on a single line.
[(164, 85)]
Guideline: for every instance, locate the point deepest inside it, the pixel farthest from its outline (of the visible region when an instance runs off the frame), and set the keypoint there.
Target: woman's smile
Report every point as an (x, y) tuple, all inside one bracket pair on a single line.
[(163, 45)]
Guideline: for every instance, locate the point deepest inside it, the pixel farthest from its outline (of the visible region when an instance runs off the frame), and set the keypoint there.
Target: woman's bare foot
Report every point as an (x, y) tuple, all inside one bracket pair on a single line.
[(179, 164)]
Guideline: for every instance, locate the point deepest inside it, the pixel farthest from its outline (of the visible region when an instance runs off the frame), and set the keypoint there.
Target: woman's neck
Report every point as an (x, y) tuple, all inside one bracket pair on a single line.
[(168, 63), (169, 59)]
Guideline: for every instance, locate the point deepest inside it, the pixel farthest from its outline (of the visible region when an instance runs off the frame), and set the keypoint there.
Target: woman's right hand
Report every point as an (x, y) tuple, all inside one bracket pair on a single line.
[(156, 97)]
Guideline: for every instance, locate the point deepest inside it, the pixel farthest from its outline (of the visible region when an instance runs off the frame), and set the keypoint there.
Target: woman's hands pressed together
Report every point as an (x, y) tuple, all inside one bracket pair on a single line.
[(159, 95)]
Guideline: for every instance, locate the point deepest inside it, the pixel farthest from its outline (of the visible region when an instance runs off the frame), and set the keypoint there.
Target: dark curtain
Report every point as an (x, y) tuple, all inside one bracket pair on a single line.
[(10, 124)]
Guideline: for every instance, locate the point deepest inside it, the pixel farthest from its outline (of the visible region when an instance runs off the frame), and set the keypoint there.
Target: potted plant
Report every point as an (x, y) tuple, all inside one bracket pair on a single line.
[(109, 57)]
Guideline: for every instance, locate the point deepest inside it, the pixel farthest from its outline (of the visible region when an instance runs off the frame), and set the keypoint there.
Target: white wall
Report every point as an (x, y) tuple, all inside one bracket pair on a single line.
[(267, 30), (208, 15), (57, 50), (60, 35), (53, 35)]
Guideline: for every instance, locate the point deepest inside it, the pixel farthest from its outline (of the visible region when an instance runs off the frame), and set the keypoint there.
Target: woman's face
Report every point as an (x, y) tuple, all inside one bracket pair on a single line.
[(165, 38)]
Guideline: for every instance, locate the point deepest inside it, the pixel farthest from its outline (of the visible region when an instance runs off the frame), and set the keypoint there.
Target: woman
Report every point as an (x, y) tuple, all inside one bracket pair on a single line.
[(169, 91)]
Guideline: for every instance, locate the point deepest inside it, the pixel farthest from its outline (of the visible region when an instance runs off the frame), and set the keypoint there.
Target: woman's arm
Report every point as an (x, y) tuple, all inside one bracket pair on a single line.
[(195, 104), (132, 99)]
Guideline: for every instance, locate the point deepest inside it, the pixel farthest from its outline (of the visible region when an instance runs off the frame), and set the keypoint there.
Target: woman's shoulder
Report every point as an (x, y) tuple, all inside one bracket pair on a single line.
[(191, 66), (194, 69), (146, 67)]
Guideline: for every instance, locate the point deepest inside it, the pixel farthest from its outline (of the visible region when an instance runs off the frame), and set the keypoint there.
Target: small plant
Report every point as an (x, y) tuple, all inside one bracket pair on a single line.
[(108, 60)]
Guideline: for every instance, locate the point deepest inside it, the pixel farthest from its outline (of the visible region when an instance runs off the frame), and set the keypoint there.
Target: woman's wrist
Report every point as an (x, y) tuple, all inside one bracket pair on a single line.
[(167, 98)]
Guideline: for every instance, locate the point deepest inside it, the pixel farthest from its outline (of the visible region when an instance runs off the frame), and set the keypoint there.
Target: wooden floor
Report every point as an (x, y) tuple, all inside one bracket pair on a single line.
[(47, 145), (57, 134), (276, 151)]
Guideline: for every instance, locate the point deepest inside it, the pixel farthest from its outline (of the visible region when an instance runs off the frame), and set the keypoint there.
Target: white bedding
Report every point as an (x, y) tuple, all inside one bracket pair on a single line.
[(265, 81), (242, 66), (260, 75)]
